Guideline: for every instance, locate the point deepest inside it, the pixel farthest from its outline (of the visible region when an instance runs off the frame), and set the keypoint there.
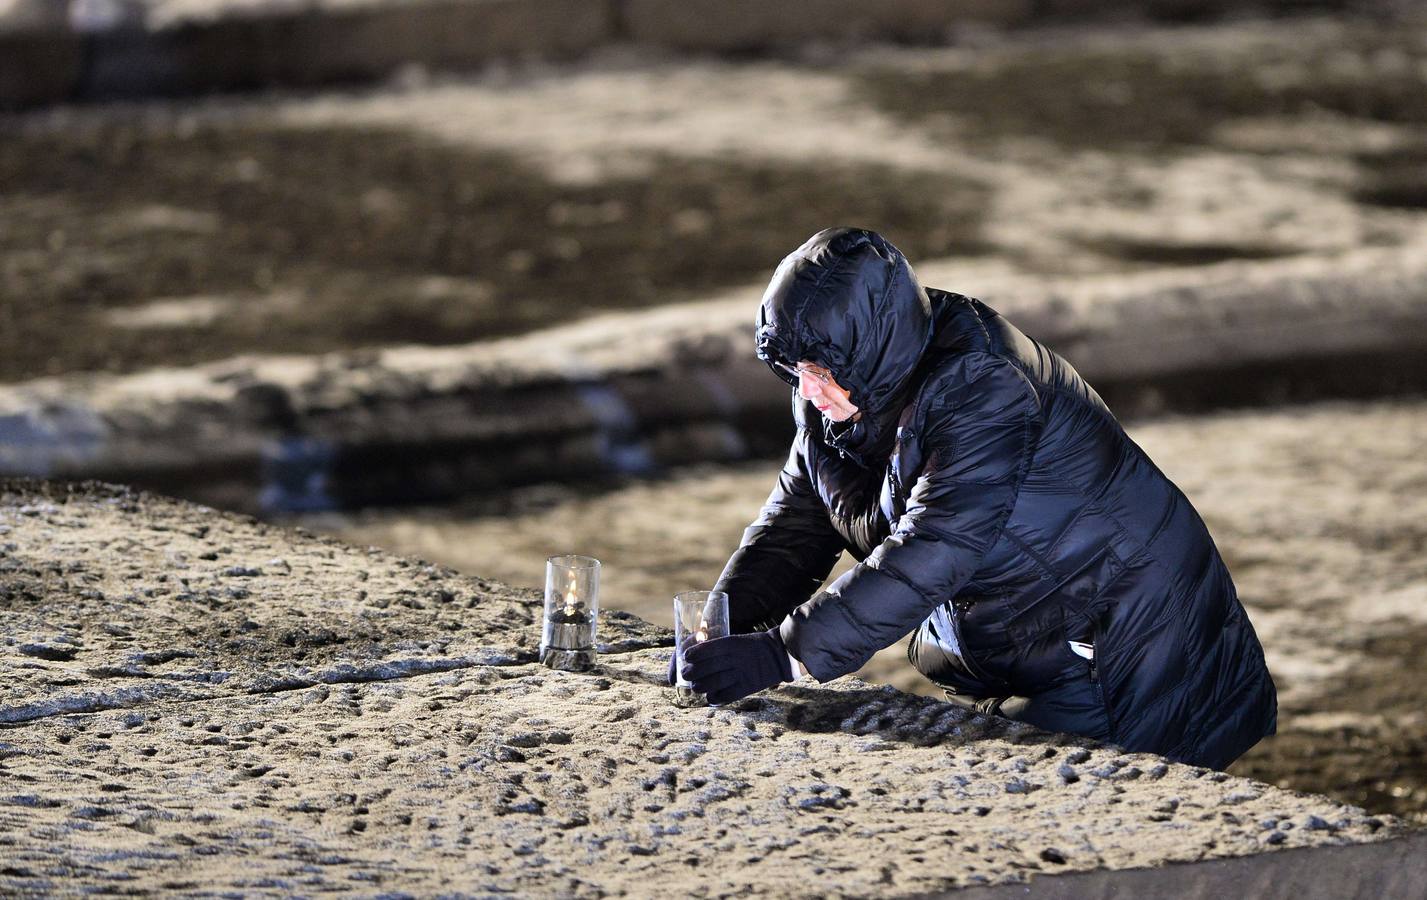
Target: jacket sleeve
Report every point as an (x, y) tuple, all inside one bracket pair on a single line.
[(978, 439), (786, 553)]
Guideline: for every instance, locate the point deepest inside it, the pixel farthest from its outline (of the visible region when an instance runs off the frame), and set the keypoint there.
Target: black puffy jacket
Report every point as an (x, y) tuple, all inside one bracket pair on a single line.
[(997, 508)]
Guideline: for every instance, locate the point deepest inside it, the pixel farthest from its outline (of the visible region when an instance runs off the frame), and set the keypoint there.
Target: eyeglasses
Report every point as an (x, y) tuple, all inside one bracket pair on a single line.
[(797, 372)]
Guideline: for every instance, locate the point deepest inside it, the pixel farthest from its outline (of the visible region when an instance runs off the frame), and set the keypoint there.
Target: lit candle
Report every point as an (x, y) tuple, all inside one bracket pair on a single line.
[(699, 616), (571, 603)]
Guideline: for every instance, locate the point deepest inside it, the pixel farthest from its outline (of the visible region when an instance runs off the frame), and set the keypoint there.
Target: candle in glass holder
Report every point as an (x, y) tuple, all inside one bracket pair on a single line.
[(572, 585), (698, 616)]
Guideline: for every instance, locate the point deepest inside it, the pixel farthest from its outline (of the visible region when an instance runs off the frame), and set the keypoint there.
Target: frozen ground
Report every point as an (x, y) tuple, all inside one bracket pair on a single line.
[(1319, 511)]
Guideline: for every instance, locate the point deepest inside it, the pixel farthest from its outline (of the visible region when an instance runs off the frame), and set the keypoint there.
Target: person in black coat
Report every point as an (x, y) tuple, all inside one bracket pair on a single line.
[(1050, 571)]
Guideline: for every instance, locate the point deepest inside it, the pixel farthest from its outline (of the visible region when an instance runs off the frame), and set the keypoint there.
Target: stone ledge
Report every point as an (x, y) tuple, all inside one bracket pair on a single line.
[(640, 391), (242, 47), (303, 48), (503, 775), (1382, 869)]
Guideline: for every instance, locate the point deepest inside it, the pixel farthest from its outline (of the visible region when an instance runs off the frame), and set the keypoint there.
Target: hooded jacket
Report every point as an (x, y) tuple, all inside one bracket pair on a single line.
[(997, 508)]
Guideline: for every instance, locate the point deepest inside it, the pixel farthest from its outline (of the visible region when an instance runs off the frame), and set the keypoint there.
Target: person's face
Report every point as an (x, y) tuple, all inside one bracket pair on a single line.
[(828, 396)]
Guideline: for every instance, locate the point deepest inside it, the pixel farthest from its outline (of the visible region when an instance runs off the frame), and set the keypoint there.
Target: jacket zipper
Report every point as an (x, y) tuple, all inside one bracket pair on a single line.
[(965, 652), (1100, 695)]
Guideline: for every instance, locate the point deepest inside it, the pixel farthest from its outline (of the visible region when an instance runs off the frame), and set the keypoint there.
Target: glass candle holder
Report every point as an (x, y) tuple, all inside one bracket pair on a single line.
[(572, 600), (698, 616)]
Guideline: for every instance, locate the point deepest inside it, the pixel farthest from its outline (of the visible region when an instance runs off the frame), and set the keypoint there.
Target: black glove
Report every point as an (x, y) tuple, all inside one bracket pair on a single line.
[(673, 661), (730, 668)]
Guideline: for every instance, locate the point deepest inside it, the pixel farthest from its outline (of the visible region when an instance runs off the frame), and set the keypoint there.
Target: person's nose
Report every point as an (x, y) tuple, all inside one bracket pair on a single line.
[(809, 386)]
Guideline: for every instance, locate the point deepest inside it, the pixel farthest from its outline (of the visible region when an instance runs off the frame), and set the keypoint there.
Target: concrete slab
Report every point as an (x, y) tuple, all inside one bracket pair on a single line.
[(499, 775)]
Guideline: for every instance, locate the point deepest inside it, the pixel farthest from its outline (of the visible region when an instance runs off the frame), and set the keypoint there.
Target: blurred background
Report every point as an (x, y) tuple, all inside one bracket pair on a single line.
[(474, 280)]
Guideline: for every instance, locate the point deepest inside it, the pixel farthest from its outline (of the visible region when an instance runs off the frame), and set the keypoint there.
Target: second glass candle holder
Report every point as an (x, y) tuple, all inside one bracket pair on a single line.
[(698, 616)]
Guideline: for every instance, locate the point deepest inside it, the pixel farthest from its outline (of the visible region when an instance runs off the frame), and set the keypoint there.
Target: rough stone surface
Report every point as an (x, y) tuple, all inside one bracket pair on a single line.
[(121, 599), (416, 748), (1316, 508)]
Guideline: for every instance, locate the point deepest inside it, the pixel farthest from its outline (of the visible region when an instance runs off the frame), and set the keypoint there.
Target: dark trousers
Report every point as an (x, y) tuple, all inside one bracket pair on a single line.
[(1074, 706)]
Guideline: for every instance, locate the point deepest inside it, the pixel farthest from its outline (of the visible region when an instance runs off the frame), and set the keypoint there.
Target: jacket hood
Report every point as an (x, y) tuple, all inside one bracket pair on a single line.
[(848, 300)]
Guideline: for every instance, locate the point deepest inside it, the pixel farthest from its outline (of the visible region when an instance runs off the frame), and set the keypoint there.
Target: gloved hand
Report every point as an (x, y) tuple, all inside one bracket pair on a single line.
[(730, 668), (673, 663)]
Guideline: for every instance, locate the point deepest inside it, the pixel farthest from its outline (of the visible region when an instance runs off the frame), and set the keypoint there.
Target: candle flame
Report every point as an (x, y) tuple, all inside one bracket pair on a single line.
[(703, 633), (570, 598)]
